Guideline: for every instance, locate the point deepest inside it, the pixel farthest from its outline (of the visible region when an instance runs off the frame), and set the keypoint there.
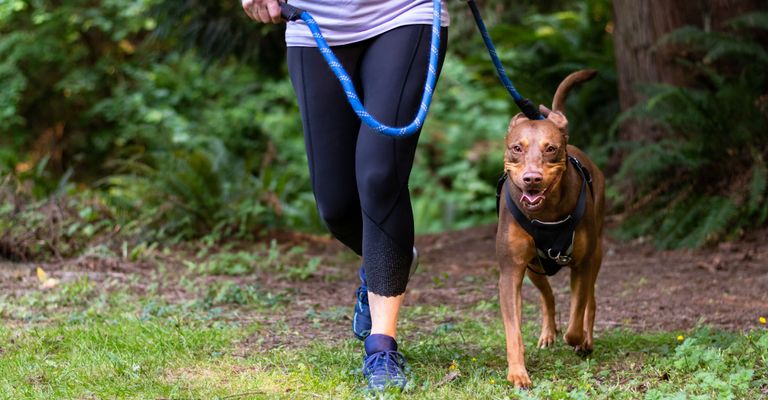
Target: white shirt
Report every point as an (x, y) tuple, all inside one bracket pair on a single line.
[(349, 21)]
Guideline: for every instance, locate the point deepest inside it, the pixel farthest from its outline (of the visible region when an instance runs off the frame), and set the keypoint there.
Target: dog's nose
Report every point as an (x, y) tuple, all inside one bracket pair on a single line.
[(532, 178)]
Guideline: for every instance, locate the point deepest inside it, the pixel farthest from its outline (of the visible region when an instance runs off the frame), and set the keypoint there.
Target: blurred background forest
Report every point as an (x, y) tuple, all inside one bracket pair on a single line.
[(174, 120)]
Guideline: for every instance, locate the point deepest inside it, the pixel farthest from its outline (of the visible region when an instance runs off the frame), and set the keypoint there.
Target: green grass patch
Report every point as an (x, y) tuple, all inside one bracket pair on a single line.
[(123, 346), (466, 360), (119, 356)]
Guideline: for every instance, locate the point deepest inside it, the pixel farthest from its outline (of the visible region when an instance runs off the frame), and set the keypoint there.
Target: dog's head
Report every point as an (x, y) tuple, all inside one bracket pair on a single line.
[(535, 157), (536, 154)]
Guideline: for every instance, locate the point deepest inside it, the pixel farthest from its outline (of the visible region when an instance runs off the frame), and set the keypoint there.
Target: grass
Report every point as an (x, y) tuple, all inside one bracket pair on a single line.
[(84, 340)]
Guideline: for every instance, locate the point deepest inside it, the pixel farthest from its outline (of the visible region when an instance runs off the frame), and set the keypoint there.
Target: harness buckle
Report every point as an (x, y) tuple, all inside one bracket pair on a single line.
[(560, 259)]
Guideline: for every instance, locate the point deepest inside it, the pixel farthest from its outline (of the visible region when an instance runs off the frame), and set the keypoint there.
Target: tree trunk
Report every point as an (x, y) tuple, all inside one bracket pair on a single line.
[(638, 27)]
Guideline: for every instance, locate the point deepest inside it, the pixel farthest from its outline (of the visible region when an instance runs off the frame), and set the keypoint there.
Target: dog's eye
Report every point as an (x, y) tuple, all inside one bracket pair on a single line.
[(551, 149), (516, 148)]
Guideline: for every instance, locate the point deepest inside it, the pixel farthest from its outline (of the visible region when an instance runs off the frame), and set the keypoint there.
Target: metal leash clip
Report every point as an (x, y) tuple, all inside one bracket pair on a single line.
[(560, 258)]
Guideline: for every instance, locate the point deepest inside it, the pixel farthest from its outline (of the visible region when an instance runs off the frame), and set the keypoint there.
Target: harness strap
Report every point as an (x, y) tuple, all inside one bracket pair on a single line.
[(553, 240)]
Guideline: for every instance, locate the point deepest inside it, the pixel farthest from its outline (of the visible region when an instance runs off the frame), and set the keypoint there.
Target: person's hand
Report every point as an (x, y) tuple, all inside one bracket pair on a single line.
[(266, 11)]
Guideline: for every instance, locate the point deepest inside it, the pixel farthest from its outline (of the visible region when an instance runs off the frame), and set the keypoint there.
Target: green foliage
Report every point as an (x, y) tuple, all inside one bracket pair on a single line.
[(202, 146), (179, 117), (458, 158), (718, 366), (218, 30), (706, 180), (542, 49), (57, 60), (460, 153), (227, 263), (179, 148), (231, 293), (290, 264), (205, 190), (77, 293)]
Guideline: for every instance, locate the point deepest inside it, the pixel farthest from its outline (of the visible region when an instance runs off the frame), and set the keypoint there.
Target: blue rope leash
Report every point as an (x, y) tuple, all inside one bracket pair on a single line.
[(292, 13), (525, 105)]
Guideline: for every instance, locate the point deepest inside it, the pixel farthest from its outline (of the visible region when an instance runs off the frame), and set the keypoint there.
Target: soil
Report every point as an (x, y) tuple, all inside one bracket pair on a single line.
[(638, 288)]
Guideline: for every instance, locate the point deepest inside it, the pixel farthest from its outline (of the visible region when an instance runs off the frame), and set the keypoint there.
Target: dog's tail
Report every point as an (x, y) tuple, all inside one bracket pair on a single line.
[(558, 103)]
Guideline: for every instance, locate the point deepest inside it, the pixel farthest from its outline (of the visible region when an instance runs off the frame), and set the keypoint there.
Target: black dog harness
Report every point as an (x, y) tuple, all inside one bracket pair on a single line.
[(553, 240)]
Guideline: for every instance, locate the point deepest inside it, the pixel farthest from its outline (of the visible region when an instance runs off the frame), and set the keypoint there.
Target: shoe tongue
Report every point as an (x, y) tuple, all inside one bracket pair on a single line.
[(377, 342)]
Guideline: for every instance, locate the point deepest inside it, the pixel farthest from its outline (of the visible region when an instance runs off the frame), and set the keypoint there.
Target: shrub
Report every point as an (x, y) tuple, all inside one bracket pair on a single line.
[(706, 180)]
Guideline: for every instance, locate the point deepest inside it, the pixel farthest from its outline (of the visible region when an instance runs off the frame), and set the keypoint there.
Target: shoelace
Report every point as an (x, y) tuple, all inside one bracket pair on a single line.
[(392, 361)]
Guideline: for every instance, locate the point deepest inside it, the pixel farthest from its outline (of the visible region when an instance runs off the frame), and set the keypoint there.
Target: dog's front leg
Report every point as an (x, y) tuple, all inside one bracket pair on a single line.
[(514, 250), (589, 313), (548, 324), (511, 301), (580, 293)]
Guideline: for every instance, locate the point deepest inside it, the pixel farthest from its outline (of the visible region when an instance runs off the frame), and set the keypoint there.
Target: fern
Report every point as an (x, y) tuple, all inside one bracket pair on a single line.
[(218, 30), (713, 217), (757, 193), (655, 162), (691, 186), (755, 20)]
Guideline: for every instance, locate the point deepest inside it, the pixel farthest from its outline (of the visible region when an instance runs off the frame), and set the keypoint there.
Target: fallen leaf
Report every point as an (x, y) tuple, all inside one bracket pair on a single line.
[(45, 281), (50, 283), (712, 265)]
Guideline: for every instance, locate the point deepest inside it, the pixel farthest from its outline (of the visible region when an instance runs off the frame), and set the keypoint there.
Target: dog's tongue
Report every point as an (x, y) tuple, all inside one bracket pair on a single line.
[(532, 198)]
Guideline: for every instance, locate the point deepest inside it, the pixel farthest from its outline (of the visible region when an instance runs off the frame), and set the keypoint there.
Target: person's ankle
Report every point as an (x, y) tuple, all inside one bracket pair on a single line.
[(377, 342)]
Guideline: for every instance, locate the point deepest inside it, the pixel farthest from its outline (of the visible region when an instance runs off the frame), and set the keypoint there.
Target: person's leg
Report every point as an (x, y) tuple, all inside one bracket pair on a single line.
[(393, 73), (330, 132)]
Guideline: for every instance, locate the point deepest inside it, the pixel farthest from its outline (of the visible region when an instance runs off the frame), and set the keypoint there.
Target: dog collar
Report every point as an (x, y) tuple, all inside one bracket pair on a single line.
[(553, 240)]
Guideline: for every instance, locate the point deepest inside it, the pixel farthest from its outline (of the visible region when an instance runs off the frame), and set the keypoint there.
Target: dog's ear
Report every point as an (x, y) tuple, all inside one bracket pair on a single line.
[(516, 120), (558, 118)]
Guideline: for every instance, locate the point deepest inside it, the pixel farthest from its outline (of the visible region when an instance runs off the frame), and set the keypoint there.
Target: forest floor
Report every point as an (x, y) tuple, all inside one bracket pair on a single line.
[(638, 287), (298, 292)]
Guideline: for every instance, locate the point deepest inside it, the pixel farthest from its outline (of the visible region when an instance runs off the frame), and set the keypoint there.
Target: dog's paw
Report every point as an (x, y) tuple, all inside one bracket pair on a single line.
[(547, 338), (573, 339), (518, 376), (582, 351), (586, 347)]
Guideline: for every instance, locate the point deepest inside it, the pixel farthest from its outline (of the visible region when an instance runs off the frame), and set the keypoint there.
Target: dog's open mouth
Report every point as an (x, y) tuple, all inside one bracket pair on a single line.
[(532, 199)]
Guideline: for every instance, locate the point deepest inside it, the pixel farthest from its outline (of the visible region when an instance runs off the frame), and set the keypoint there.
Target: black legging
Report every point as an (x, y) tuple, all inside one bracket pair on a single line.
[(359, 177)]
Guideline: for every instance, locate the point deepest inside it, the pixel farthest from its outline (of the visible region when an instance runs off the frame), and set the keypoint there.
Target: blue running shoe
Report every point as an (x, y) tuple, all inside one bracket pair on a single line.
[(385, 369), (361, 319)]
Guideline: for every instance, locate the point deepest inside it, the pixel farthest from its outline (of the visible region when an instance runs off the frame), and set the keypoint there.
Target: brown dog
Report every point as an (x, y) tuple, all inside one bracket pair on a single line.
[(546, 186)]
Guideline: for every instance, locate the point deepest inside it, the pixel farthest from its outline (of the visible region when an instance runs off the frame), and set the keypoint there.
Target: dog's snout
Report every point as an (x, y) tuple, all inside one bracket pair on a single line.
[(532, 178)]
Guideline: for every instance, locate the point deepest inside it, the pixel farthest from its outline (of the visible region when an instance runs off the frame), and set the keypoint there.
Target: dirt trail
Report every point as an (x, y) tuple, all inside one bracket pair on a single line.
[(638, 287)]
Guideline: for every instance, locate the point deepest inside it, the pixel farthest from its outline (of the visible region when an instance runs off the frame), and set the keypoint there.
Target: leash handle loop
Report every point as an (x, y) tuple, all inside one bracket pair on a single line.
[(289, 12), (525, 105), (292, 13)]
